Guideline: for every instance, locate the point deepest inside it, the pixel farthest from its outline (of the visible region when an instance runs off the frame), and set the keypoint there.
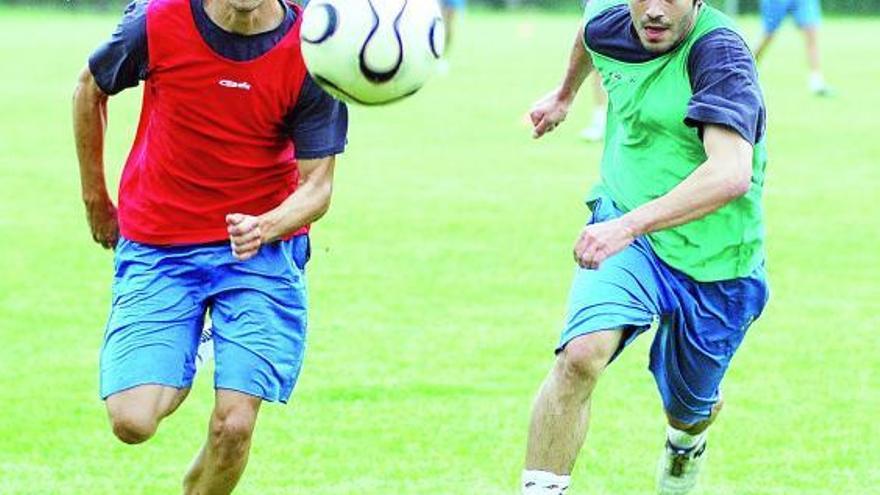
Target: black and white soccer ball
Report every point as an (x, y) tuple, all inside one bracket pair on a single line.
[(372, 52)]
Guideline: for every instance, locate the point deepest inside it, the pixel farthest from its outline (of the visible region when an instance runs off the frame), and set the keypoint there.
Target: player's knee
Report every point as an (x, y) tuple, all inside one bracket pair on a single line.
[(231, 432), (695, 428), (131, 427), (583, 360)]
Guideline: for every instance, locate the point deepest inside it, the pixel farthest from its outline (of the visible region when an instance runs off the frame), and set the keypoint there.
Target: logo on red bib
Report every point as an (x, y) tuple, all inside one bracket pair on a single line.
[(226, 83)]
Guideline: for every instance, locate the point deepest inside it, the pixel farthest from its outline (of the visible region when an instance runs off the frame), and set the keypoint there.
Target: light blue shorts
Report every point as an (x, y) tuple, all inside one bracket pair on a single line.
[(161, 295), (806, 13), (454, 4), (701, 324)]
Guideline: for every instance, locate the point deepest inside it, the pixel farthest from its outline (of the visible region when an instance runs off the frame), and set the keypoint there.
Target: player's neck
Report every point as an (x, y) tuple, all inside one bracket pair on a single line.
[(265, 17)]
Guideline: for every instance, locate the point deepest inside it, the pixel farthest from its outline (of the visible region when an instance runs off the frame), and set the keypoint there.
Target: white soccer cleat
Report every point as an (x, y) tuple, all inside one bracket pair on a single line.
[(596, 131), (593, 134), (544, 483), (205, 351), (679, 469), (818, 86)]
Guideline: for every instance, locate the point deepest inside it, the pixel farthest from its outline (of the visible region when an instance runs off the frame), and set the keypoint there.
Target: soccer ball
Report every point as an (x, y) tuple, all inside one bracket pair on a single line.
[(372, 52)]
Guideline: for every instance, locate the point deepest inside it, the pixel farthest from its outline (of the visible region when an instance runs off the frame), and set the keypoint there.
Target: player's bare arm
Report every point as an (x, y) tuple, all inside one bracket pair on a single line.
[(551, 110), (723, 177), (89, 125), (309, 203)]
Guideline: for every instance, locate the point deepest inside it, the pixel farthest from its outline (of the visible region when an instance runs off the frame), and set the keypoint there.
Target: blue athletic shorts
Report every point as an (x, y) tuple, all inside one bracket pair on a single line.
[(700, 324), (161, 295), (806, 13), (454, 4)]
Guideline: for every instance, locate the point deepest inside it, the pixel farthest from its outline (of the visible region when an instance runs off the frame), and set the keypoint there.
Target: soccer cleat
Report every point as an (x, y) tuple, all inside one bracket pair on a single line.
[(544, 483), (533, 488), (818, 87), (678, 469), (593, 134), (205, 351), (596, 131)]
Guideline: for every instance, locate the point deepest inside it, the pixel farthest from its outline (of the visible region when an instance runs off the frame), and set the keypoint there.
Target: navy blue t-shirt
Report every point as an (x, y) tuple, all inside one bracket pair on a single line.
[(317, 123), (724, 80)]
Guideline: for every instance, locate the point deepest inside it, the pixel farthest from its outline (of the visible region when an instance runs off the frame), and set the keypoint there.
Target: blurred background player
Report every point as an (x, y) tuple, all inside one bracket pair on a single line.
[(451, 9), (595, 132), (808, 16)]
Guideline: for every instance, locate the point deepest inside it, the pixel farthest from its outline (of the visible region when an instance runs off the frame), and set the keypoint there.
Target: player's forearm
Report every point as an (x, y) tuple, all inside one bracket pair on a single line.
[(703, 192), (580, 64), (89, 124), (725, 176), (308, 204)]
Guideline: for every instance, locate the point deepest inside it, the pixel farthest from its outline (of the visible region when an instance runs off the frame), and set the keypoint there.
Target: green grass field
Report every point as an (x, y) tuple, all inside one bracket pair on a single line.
[(438, 284)]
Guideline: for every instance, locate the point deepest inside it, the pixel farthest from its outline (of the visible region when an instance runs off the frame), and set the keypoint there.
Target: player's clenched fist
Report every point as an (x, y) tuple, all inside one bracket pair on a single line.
[(103, 221), (601, 241), (245, 235), (548, 112)]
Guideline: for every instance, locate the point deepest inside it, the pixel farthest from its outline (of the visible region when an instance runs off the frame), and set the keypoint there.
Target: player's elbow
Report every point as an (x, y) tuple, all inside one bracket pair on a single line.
[(87, 89), (733, 176), (730, 161), (326, 195), (82, 82), (737, 186)]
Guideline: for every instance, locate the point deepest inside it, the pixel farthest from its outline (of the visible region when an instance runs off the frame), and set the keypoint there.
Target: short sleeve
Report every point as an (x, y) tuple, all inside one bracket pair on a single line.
[(318, 124), (121, 62), (725, 86)]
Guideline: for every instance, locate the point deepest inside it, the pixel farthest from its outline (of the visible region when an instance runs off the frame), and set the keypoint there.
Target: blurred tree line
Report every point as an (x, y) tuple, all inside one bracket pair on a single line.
[(743, 6)]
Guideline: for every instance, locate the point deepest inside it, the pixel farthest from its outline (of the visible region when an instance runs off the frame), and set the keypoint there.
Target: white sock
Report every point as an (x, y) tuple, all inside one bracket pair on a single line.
[(683, 439), (599, 116), (816, 80), (544, 483)]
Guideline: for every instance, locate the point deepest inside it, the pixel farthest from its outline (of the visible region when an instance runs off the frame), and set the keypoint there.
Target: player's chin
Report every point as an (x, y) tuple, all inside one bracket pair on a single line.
[(245, 5), (657, 44)]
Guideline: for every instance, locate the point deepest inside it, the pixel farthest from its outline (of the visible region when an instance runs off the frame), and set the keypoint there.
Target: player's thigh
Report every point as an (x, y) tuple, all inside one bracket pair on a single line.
[(145, 402), (624, 293), (260, 317), (696, 341), (155, 319)]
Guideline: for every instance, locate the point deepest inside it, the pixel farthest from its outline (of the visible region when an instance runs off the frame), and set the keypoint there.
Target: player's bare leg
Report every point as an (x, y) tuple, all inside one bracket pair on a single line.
[(596, 130), (448, 21), (135, 413), (449, 15), (762, 46), (219, 465), (817, 80), (561, 412)]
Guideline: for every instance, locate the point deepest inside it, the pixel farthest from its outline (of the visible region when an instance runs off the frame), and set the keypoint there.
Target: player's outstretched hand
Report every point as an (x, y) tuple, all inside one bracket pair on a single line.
[(245, 236), (103, 221), (547, 113), (600, 241)]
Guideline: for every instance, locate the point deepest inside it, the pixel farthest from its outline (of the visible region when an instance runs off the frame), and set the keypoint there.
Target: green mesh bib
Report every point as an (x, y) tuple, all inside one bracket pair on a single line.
[(649, 150)]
